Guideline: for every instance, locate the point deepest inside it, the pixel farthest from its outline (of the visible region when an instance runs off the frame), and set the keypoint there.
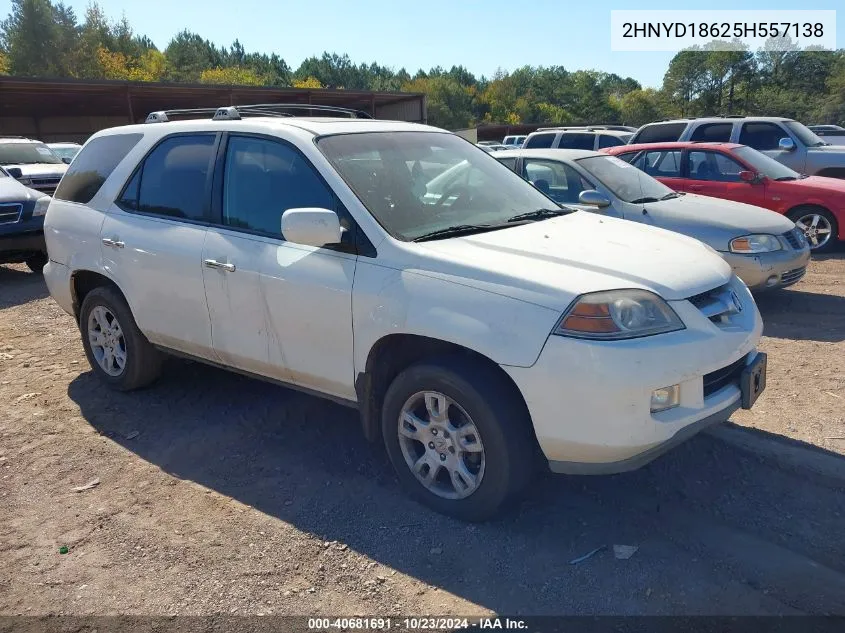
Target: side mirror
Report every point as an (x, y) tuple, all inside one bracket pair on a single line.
[(748, 176), (14, 172), (311, 226), (594, 199), (786, 144), (66, 160)]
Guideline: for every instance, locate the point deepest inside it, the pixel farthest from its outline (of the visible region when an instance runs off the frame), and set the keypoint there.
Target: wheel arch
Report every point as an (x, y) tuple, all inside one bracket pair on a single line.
[(393, 353), (83, 281)]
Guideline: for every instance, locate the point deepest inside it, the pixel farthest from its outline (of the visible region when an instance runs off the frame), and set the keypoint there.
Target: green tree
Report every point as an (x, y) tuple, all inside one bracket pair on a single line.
[(29, 34), (230, 76), (638, 107), (188, 55)]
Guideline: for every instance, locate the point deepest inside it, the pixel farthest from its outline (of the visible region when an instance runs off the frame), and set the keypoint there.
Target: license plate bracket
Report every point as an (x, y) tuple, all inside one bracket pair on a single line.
[(753, 380)]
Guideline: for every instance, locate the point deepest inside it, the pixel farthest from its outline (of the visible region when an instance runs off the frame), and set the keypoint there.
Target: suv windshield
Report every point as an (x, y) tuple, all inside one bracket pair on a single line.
[(625, 181), (27, 154), (418, 183), (804, 134), (765, 165)]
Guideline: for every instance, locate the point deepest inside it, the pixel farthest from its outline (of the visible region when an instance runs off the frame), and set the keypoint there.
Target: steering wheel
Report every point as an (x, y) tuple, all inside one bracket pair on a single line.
[(447, 192)]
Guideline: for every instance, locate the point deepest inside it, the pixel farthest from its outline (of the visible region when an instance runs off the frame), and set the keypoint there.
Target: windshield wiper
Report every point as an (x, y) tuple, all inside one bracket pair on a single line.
[(540, 214), (670, 195), (644, 200), (785, 178), (458, 230)]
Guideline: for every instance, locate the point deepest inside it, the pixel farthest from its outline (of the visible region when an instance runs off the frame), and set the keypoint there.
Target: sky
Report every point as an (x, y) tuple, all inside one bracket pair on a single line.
[(483, 35)]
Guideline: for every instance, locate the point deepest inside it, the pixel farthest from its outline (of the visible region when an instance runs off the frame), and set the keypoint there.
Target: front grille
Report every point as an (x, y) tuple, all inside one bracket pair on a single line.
[(10, 213), (795, 238), (46, 184), (723, 377), (791, 276), (716, 304)]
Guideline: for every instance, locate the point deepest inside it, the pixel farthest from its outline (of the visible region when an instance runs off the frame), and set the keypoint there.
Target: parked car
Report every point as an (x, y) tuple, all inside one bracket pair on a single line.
[(618, 128), (833, 134), (764, 249), (22, 224), (65, 151), (394, 268), (492, 147), (514, 141), (737, 172), (591, 139), (787, 141), (32, 163)]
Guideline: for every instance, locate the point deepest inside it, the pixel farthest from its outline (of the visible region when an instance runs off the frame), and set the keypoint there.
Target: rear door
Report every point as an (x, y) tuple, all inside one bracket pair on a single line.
[(663, 165), (713, 173), (153, 238)]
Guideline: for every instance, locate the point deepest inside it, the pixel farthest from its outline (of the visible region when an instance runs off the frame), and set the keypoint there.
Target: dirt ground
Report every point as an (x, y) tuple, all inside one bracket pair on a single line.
[(220, 494)]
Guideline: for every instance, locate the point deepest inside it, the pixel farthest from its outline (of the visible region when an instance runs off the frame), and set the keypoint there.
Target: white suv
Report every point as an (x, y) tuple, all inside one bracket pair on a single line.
[(396, 268)]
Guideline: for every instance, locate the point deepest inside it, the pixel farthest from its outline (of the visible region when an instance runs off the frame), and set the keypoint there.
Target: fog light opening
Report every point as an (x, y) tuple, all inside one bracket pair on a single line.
[(771, 281), (665, 398)]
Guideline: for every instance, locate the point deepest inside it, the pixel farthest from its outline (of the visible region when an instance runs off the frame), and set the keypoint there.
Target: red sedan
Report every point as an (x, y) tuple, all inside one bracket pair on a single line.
[(740, 173)]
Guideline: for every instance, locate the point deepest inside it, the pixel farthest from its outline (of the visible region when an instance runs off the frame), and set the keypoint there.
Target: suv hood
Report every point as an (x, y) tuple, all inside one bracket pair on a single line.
[(553, 261), (715, 221), (39, 169)]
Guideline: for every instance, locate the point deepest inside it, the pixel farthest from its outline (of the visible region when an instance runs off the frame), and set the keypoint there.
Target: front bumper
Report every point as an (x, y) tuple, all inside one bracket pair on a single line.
[(766, 271), (16, 247), (590, 400)]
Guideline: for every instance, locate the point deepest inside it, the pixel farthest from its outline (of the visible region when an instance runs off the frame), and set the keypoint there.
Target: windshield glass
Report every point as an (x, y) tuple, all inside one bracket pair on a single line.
[(765, 165), (804, 134), (415, 183), (27, 154), (625, 181), (65, 152)]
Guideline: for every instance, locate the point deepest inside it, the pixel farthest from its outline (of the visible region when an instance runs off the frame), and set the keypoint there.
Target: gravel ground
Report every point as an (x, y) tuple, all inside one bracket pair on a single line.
[(220, 494)]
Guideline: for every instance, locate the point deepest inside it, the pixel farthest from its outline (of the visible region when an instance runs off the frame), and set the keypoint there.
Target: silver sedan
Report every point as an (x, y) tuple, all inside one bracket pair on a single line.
[(764, 248)]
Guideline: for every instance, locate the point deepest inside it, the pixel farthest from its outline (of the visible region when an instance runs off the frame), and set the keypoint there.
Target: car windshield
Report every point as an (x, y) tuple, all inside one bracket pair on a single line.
[(419, 183), (804, 134), (27, 154), (625, 181), (65, 152), (765, 165)]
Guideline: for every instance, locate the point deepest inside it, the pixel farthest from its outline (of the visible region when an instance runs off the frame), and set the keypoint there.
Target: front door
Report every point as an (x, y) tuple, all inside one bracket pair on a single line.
[(715, 174), (278, 309)]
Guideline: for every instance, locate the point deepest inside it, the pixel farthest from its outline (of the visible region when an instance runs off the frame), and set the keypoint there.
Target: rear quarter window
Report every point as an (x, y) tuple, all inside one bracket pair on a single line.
[(93, 165), (540, 141), (659, 133)]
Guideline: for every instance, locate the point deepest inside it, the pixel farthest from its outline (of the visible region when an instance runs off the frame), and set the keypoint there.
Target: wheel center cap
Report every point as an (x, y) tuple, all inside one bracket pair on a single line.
[(441, 444)]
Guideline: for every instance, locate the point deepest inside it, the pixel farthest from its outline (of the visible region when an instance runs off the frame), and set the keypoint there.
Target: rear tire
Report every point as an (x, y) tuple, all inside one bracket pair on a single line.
[(479, 444), (36, 262), (117, 350), (813, 219)]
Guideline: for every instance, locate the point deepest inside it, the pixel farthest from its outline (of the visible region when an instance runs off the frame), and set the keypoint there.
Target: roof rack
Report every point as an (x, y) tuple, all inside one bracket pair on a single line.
[(237, 112)]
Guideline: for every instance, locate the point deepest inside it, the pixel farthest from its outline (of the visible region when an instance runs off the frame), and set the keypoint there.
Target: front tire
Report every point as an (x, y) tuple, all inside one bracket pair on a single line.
[(117, 350), (36, 262), (819, 226), (458, 436)]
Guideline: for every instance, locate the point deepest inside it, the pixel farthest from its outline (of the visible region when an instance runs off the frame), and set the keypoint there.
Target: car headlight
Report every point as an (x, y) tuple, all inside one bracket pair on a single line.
[(618, 314), (755, 244), (41, 206)]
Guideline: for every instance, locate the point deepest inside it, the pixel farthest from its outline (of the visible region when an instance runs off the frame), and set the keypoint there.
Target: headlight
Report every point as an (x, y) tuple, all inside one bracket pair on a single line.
[(41, 206), (618, 314), (755, 244)]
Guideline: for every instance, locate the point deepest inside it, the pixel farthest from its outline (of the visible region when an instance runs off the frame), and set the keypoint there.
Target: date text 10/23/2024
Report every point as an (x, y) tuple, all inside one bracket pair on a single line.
[(415, 624)]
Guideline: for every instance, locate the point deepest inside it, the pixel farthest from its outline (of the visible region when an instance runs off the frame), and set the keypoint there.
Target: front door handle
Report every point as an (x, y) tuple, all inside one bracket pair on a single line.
[(213, 263), (113, 243)]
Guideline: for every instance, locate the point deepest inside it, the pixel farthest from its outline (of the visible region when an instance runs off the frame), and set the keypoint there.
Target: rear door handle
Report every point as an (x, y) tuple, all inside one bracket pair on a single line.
[(113, 243), (213, 263)]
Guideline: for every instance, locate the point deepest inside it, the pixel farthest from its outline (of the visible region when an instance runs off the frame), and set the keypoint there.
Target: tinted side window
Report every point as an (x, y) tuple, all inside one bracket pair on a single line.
[(659, 133), (713, 166), (93, 166), (577, 141), (558, 181), (262, 180), (540, 141), (761, 136), (712, 132), (174, 179), (510, 163), (606, 140)]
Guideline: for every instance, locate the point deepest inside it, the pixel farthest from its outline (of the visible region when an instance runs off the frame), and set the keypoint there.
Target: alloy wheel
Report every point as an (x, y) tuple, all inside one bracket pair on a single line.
[(441, 445), (816, 228), (108, 344)]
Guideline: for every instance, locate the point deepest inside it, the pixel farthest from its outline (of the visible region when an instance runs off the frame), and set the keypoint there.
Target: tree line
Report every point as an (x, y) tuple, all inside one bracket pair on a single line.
[(40, 38)]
